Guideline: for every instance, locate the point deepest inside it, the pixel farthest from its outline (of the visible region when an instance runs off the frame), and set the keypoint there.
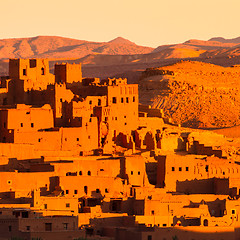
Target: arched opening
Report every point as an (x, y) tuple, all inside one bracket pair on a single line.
[(42, 71), (205, 222), (85, 189)]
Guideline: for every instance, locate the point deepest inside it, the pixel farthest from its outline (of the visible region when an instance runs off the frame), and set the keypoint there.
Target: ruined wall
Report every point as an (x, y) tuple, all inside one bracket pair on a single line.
[(123, 101), (102, 167), (34, 72), (25, 118), (135, 170), (192, 171), (94, 187), (17, 182), (62, 96), (64, 139), (68, 73)]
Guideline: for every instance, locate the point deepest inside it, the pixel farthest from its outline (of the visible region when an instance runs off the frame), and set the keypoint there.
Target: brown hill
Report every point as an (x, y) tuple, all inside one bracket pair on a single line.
[(59, 47), (220, 53), (165, 54), (197, 45), (192, 49), (194, 94), (224, 40)]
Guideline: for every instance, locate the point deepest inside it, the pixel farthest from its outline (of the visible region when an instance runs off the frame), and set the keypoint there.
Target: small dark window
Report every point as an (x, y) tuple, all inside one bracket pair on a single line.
[(9, 228), (89, 173), (75, 191), (149, 237), (89, 137), (67, 205), (85, 189), (60, 99), (114, 100), (45, 206), (152, 212), (122, 100), (39, 140), (180, 169), (80, 172), (48, 227), (187, 169), (106, 190), (99, 102), (233, 211), (90, 120), (65, 226), (125, 123), (24, 72), (205, 222), (138, 172), (127, 99), (32, 125), (21, 124), (28, 228), (25, 214), (115, 118), (97, 190), (67, 191), (131, 172), (173, 169), (42, 71), (133, 98), (77, 139), (106, 118), (206, 168), (90, 102), (164, 225), (5, 101)]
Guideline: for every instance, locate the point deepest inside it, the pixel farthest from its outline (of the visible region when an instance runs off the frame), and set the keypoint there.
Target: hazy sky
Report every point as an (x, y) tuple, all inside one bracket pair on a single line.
[(145, 22)]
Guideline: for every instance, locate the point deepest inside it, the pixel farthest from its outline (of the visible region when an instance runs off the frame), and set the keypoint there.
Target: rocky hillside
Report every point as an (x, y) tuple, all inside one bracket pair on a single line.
[(194, 94)]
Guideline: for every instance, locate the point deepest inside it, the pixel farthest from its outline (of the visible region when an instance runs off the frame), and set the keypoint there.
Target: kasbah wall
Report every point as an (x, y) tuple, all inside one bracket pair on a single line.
[(81, 158)]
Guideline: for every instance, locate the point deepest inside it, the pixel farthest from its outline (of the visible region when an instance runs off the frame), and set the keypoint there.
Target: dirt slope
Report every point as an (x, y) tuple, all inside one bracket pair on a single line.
[(194, 94)]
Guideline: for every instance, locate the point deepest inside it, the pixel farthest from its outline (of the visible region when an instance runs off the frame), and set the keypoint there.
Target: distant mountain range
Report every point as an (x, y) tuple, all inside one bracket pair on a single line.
[(61, 48), (223, 40), (119, 51)]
